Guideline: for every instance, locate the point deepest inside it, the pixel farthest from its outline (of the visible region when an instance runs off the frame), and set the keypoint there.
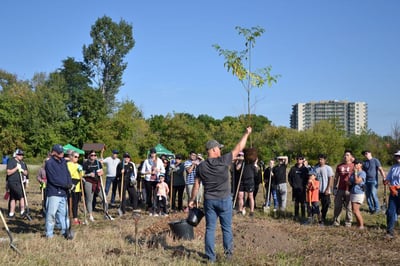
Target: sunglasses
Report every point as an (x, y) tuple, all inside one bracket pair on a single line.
[(76, 156), (93, 155)]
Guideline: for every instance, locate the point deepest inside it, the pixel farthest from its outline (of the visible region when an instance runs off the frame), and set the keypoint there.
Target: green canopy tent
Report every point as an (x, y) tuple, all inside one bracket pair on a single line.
[(160, 149), (71, 147)]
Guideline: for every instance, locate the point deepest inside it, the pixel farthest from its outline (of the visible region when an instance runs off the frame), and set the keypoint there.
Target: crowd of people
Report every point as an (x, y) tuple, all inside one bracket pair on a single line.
[(225, 184)]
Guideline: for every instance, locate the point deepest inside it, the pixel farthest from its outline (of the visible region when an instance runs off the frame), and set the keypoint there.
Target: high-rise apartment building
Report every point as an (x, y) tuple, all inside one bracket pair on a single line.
[(353, 116)]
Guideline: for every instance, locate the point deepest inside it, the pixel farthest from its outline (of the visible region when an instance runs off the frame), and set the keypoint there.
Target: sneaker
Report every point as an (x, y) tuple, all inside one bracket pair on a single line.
[(137, 210), (361, 227), (151, 214), (244, 212), (389, 236), (91, 218), (11, 215), (275, 210), (155, 214), (348, 224), (120, 213), (251, 214)]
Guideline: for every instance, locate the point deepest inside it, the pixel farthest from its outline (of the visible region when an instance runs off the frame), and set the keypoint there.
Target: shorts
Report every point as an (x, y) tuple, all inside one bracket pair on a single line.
[(16, 192), (357, 198), (246, 187)]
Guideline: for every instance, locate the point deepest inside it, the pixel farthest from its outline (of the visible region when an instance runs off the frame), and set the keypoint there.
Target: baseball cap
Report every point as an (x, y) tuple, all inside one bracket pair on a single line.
[(127, 155), (58, 148), (212, 144), (115, 152), (19, 152), (153, 150), (397, 153), (312, 172), (178, 156)]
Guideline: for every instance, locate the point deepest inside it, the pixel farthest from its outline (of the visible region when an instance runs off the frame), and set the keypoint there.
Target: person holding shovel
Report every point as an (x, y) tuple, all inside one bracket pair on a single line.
[(76, 171), (59, 182), (15, 169), (393, 181), (214, 175), (127, 171)]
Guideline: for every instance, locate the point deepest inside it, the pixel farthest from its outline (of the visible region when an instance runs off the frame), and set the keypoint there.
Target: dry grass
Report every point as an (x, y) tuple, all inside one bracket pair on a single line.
[(263, 240)]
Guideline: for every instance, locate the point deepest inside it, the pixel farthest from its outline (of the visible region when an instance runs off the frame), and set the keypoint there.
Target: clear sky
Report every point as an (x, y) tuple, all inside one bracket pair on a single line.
[(323, 50)]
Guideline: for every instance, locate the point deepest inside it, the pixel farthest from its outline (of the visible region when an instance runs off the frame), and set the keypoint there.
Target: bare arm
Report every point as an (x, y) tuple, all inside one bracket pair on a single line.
[(195, 190), (242, 143), (383, 174)]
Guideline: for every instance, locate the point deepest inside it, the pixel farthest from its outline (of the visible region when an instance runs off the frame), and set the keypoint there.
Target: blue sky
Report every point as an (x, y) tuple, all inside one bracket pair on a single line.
[(323, 50)]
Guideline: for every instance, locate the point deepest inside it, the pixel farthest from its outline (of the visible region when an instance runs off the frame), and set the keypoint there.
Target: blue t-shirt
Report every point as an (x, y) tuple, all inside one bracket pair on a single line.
[(371, 169), (357, 188)]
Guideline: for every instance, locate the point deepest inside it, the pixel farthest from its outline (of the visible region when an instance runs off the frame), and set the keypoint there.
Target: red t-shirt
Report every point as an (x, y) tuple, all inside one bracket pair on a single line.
[(344, 171)]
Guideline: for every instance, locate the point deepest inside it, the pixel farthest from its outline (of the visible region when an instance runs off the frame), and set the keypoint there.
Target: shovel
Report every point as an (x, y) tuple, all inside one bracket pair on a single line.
[(84, 203), (69, 234), (9, 234), (105, 203), (26, 212), (384, 204)]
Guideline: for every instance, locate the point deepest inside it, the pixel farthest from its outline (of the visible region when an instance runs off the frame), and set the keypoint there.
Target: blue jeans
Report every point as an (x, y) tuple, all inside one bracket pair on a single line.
[(371, 194), (213, 209), (109, 181), (274, 195), (56, 210), (391, 213)]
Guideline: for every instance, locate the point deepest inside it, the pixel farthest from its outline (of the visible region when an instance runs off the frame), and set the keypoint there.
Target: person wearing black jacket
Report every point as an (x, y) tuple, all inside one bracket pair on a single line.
[(127, 169), (93, 171), (298, 178), (59, 182)]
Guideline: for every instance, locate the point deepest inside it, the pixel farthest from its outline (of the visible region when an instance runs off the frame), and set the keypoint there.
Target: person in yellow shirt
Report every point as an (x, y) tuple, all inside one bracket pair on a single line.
[(76, 172)]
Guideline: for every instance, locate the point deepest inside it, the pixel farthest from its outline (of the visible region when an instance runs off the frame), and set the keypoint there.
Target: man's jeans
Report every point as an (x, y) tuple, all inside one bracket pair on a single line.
[(56, 209), (371, 193), (281, 195), (391, 213), (213, 209), (109, 181)]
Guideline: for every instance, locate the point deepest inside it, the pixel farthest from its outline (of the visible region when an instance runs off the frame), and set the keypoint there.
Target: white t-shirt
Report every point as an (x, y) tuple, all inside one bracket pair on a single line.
[(111, 165)]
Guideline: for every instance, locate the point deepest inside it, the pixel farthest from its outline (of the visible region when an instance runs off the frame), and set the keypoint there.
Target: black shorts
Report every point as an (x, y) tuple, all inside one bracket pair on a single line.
[(246, 187), (16, 192)]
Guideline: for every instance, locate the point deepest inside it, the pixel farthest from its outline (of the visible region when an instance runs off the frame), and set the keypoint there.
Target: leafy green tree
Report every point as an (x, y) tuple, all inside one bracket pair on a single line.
[(105, 56), (127, 130), (240, 63)]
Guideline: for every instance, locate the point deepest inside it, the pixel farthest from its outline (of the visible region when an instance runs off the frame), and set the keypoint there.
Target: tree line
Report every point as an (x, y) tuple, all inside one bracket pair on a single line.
[(62, 108)]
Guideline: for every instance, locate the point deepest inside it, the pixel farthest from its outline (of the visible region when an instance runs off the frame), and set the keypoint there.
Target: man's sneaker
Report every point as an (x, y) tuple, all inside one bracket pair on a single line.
[(120, 213), (244, 212), (155, 214), (11, 215), (91, 218), (150, 214), (389, 236)]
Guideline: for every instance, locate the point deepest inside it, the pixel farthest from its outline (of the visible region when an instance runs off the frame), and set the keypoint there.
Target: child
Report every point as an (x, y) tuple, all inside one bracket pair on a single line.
[(162, 192), (312, 199)]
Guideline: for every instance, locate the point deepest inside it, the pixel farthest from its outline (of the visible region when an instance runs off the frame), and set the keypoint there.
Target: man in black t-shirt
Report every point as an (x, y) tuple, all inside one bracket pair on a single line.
[(213, 173)]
